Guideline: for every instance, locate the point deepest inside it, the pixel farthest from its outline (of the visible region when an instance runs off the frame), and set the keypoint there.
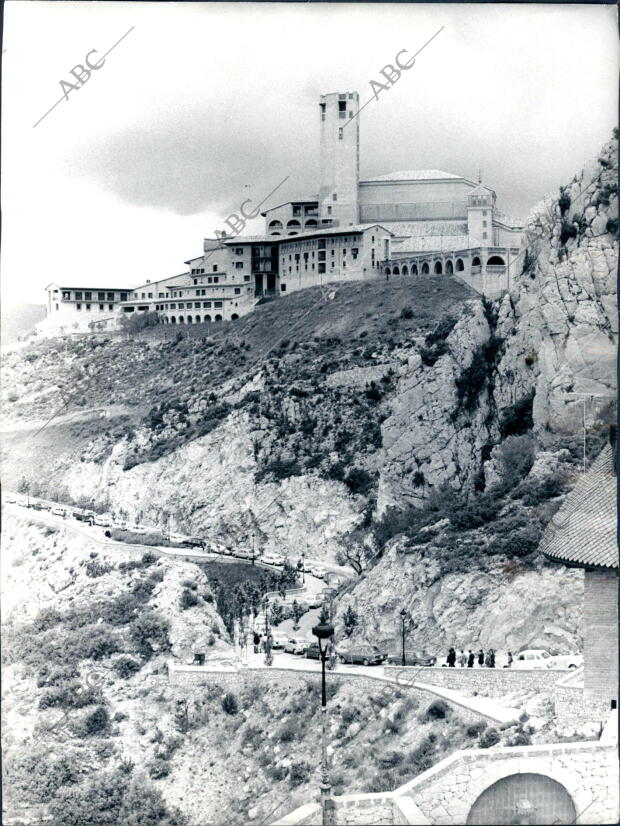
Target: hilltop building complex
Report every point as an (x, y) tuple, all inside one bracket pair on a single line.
[(410, 222)]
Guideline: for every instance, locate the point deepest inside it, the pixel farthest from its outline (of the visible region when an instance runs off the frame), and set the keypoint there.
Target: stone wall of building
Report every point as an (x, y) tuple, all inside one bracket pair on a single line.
[(491, 285), (600, 615)]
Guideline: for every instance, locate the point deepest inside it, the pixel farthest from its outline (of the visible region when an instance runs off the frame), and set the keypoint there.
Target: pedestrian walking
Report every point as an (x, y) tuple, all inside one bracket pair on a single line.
[(481, 658), (490, 658), (256, 642), (470, 659), (509, 659), (451, 659), (462, 659)]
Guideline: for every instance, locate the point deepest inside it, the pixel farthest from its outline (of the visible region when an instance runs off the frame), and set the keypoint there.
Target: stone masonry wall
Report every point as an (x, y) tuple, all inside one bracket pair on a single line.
[(588, 772), (492, 681)]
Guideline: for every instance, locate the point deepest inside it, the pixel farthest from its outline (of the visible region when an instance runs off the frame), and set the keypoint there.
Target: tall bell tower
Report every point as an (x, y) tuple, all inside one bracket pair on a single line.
[(339, 158)]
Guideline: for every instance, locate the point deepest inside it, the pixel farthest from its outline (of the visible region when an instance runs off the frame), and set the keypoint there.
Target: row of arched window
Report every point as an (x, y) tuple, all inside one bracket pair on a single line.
[(292, 227), (196, 319), (438, 268)]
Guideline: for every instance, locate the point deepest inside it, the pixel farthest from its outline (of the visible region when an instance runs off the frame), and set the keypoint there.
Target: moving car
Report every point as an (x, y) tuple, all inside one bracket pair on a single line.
[(413, 658), (539, 658), (296, 645), (363, 655)]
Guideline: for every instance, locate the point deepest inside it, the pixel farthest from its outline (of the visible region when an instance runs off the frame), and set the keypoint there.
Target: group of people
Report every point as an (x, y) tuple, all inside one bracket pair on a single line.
[(260, 642), (467, 660)]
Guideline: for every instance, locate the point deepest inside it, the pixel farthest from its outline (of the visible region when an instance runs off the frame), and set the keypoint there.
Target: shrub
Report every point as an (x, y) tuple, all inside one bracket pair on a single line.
[(490, 737), (359, 481), (288, 732), (97, 722), (230, 704), (437, 710), (149, 633), (188, 599), (407, 312), (517, 419), (158, 768), (534, 491), (298, 773), (71, 695), (476, 729), (126, 667), (96, 569)]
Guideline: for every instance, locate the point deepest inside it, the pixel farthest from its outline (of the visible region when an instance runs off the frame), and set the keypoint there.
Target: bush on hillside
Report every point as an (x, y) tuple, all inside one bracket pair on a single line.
[(517, 419), (490, 737), (230, 704), (126, 667), (437, 710)]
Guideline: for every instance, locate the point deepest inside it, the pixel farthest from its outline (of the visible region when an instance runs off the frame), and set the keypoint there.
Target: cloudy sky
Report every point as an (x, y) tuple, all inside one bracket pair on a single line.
[(204, 105)]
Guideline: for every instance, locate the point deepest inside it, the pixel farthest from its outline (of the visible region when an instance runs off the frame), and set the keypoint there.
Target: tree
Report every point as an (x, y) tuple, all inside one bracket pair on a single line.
[(355, 554), (297, 614), (350, 620)]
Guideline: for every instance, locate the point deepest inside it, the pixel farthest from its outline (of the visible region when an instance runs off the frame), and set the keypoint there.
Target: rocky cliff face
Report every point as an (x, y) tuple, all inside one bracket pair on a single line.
[(558, 334)]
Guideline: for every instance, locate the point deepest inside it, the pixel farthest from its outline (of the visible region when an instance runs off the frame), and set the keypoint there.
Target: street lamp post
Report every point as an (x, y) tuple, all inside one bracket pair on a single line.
[(253, 551), (303, 568), (323, 632), (404, 616)]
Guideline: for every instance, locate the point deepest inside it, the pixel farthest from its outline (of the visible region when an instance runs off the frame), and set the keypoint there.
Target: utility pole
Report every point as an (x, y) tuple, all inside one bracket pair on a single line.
[(583, 398)]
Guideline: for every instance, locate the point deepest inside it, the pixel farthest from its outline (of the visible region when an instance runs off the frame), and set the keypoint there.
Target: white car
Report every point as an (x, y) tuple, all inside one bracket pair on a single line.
[(539, 658), (278, 639), (58, 512), (101, 521), (319, 572)]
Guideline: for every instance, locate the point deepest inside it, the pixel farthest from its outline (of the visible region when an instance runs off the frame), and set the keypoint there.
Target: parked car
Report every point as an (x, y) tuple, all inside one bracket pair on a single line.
[(362, 654), (58, 512), (539, 658), (319, 572), (315, 601), (101, 521), (192, 542), (313, 652), (278, 639), (296, 645), (413, 658)]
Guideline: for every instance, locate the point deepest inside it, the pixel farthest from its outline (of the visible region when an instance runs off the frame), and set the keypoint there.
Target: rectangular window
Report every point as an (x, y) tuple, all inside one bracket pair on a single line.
[(110, 306), (215, 268), (173, 306), (322, 267), (340, 134), (66, 295), (101, 307), (216, 279), (56, 304), (88, 296), (246, 277), (78, 296), (100, 296), (283, 288), (329, 210), (195, 279), (484, 223), (123, 296), (209, 280), (161, 295), (334, 196), (197, 305), (78, 306), (239, 250), (142, 295), (238, 265), (237, 290), (206, 303), (484, 213), (150, 295), (217, 304), (88, 306), (181, 306)]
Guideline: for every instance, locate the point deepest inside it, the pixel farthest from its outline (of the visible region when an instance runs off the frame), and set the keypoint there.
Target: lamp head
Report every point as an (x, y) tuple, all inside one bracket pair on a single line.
[(323, 631)]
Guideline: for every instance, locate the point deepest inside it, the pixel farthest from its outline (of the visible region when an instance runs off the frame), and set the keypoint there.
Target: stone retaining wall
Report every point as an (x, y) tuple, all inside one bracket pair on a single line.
[(492, 681)]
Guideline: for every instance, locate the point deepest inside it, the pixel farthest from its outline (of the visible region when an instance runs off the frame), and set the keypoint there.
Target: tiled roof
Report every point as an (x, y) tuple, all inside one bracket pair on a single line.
[(583, 531), (413, 175)]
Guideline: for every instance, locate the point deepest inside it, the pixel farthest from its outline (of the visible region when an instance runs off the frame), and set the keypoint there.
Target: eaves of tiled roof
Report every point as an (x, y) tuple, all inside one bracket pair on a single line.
[(583, 532)]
